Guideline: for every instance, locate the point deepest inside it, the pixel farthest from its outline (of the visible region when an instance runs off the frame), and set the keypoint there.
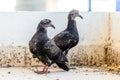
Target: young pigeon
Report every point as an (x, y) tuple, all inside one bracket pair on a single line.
[(44, 48), (68, 38)]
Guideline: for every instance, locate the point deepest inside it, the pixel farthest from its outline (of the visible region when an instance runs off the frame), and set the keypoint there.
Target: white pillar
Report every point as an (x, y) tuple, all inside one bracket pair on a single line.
[(51, 5), (30, 5)]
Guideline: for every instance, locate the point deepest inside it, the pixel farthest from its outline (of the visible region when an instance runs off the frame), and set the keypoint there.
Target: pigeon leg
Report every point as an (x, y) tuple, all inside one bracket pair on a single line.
[(45, 69)]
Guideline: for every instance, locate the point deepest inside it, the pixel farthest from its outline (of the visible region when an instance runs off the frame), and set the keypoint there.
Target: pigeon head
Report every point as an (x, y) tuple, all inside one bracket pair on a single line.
[(47, 23), (73, 14)]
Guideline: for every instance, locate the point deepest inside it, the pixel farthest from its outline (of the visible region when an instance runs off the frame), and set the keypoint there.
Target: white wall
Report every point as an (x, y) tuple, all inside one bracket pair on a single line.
[(18, 27), (115, 29), (95, 30)]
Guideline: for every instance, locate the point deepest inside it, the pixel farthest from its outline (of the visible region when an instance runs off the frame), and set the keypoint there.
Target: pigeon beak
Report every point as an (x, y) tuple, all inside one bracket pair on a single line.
[(52, 26), (80, 16)]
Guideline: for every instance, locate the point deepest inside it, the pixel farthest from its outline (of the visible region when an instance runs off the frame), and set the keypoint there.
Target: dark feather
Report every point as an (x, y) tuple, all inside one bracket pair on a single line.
[(44, 48), (67, 38), (63, 66)]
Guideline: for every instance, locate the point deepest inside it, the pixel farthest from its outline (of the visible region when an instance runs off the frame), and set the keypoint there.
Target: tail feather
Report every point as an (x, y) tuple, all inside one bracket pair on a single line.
[(63, 66)]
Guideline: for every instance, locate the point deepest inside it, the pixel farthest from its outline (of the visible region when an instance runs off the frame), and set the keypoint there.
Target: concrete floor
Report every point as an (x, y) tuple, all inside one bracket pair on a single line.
[(83, 73)]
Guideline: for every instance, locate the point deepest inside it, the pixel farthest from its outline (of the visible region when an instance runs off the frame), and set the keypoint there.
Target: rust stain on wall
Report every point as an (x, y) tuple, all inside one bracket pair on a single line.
[(113, 56), (87, 55), (108, 41)]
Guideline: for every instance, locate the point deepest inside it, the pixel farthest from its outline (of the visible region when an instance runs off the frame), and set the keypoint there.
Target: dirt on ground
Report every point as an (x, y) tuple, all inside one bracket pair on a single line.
[(77, 73)]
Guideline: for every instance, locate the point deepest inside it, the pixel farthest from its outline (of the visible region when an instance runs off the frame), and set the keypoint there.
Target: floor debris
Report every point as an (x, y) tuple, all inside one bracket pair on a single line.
[(82, 73)]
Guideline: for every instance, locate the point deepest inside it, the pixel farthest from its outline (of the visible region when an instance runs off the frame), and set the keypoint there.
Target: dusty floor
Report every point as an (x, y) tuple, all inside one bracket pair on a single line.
[(82, 73)]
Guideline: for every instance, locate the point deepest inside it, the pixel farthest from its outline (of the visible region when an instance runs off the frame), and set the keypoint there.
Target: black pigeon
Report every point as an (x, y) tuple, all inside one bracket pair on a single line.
[(45, 49), (68, 38)]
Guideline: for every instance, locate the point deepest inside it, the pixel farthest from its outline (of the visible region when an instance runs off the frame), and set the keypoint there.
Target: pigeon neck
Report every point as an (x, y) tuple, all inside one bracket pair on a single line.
[(40, 28), (72, 28), (42, 31), (71, 25)]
